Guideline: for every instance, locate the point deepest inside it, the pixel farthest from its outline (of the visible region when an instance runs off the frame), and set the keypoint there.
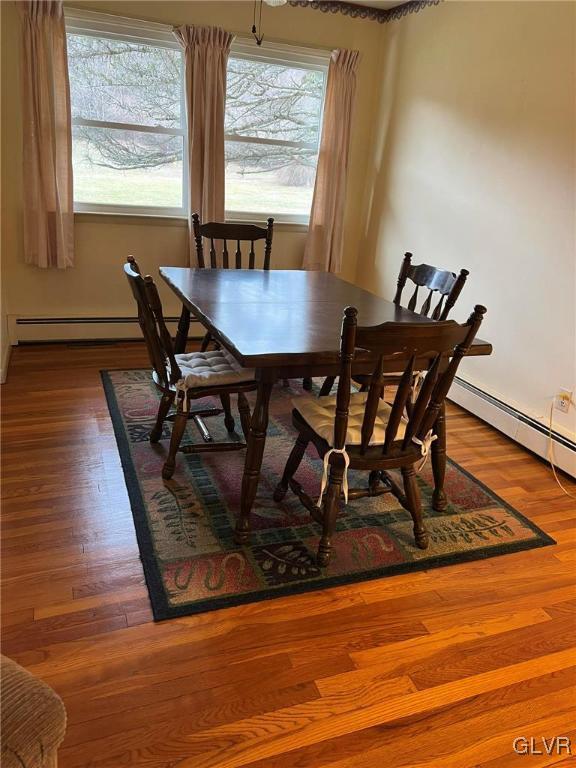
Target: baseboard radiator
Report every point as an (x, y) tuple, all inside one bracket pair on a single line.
[(53, 329), (523, 429)]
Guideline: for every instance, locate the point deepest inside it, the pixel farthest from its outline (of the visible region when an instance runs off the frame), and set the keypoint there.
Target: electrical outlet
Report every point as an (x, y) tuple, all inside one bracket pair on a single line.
[(563, 400)]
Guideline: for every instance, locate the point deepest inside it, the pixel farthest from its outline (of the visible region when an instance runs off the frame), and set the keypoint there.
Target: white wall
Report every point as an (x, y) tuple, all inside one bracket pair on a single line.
[(473, 167)]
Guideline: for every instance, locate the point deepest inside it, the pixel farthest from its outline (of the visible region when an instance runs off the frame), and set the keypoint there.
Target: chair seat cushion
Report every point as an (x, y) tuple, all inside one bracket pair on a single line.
[(211, 369), (320, 414)]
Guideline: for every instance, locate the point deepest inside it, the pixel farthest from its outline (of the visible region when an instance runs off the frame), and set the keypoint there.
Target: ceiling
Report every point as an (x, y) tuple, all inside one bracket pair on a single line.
[(382, 4)]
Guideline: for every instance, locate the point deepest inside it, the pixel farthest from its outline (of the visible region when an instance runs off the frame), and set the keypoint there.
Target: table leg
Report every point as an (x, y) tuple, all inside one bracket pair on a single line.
[(253, 462), (182, 332), (439, 500)]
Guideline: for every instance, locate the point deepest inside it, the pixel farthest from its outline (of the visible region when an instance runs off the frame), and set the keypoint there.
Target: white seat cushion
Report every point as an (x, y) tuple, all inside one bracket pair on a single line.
[(211, 369), (320, 414)]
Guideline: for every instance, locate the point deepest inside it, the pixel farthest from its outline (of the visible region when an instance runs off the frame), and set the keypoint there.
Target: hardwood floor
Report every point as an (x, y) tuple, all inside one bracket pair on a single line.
[(442, 668)]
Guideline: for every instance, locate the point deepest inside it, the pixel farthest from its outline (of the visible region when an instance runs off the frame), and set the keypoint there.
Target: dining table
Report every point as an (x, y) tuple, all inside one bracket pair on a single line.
[(286, 324)]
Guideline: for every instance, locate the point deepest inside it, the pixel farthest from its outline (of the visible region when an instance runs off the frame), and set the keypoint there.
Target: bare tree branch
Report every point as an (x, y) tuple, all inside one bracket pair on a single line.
[(119, 81)]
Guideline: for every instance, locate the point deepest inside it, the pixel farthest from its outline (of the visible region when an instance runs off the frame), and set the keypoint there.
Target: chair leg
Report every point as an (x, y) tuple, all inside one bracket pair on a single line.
[(291, 466), (307, 384), (205, 342), (245, 415), (327, 385), (415, 506), (165, 405), (228, 418), (177, 433), (330, 513)]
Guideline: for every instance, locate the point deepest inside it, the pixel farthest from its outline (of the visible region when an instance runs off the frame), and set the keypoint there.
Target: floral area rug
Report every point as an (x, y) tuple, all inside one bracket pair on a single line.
[(185, 526)]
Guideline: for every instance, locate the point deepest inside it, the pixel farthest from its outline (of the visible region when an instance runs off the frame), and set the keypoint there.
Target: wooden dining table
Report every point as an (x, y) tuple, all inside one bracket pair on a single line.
[(286, 324)]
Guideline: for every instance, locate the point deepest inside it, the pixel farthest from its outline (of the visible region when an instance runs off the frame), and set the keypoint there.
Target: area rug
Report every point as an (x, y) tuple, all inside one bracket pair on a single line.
[(185, 526)]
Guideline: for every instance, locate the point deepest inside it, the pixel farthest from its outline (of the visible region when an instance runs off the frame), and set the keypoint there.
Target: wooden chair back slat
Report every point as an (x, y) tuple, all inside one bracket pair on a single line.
[(220, 232), (436, 314), (151, 321), (416, 412), (440, 281), (426, 306), (372, 403), (412, 302), (435, 346), (403, 393)]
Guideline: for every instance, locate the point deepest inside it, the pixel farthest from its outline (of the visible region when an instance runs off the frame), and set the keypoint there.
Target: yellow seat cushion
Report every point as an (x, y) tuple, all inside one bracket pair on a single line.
[(320, 414)]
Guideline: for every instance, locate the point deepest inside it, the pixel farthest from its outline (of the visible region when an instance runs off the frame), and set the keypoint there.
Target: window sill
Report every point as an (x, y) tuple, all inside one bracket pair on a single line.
[(101, 217)]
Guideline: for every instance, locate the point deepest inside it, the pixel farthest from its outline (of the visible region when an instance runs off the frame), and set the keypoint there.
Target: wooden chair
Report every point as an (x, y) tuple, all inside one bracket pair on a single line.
[(238, 233), (235, 233), (187, 377), (369, 433), (447, 285), (440, 281)]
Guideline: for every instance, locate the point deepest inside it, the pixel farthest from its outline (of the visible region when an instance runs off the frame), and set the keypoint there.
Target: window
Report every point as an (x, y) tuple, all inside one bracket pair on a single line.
[(274, 100), (128, 117), (129, 121)]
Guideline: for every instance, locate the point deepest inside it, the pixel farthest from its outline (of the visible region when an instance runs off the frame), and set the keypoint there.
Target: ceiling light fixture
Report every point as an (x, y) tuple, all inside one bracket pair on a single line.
[(257, 31)]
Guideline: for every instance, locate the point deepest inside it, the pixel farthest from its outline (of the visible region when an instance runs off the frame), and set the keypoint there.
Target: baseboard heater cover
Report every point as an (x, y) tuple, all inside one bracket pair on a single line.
[(39, 329), (81, 320), (522, 428)]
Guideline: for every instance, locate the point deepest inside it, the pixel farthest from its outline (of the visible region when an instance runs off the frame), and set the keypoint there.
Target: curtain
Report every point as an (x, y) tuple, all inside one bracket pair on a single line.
[(47, 137), (206, 54), (323, 249)]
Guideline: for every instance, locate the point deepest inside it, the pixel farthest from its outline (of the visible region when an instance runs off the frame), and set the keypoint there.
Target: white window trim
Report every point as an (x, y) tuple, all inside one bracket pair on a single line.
[(96, 24)]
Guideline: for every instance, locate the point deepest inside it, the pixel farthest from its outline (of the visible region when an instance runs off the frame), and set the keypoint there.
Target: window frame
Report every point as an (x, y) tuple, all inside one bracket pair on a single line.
[(93, 24), (97, 24)]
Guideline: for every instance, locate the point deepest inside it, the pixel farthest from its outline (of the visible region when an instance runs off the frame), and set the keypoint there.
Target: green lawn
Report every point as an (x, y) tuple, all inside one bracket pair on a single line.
[(260, 193)]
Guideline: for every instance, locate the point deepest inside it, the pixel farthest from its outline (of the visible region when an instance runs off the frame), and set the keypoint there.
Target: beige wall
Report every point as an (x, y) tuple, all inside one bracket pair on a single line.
[(95, 285), (473, 167)]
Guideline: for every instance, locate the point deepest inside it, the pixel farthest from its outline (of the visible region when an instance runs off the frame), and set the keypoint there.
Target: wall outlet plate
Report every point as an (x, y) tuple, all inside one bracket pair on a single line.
[(563, 400)]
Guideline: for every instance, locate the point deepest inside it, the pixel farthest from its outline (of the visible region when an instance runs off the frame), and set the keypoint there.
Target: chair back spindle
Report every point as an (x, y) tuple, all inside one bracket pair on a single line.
[(399, 405), (218, 233), (375, 392), (446, 285)]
